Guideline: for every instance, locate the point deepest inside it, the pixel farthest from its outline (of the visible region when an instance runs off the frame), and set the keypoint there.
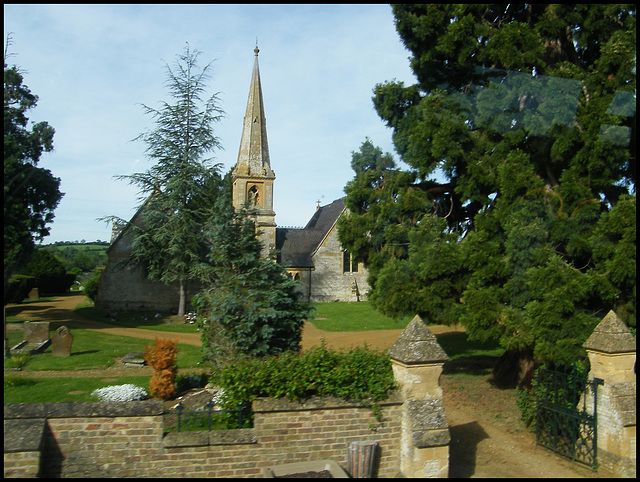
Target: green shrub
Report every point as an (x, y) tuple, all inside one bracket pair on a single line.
[(527, 401), (12, 381), (19, 287), (50, 274), (90, 287), (187, 382), (360, 375)]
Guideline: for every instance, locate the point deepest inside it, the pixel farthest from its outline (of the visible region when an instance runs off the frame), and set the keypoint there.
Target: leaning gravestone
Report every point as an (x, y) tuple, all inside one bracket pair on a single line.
[(61, 342), (36, 337), (36, 331)]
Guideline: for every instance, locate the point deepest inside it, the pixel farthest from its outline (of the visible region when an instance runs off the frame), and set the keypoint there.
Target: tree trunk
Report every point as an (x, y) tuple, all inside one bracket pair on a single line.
[(182, 306), (514, 368), (7, 350)]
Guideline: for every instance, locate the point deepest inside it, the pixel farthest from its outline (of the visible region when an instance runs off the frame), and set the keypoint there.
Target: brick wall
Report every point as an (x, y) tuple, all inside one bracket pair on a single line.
[(112, 439), (126, 439), (22, 447), (323, 429)]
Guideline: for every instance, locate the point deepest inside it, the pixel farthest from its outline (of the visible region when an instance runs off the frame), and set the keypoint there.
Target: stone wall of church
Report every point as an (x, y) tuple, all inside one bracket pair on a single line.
[(127, 288), (329, 282)]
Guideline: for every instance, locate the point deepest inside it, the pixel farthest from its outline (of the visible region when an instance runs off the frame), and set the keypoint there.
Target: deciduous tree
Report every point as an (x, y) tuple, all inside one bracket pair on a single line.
[(31, 193)]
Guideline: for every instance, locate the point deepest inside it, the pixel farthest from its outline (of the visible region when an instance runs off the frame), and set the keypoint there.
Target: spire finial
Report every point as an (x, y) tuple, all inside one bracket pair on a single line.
[(256, 50)]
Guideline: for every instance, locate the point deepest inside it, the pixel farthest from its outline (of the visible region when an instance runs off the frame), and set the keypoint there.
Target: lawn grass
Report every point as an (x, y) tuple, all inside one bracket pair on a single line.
[(71, 389), (341, 316), (91, 350), (337, 316), (156, 321), (361, 316), (457, 346)]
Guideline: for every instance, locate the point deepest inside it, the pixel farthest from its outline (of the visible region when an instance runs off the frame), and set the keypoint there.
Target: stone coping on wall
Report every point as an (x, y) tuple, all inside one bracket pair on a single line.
[(152, 407), (263, 405), (82, 409), (23, 435)]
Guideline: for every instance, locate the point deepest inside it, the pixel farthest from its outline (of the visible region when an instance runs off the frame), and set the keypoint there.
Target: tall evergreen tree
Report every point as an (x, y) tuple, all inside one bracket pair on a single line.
[(250, 306), (528, 111), (181, 189)]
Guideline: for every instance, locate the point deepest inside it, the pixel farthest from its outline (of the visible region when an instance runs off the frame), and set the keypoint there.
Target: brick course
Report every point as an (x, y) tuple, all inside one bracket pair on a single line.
[(133, 445)]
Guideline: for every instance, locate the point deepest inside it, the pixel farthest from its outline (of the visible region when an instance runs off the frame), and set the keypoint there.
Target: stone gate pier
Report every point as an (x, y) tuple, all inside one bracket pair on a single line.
[(612, 354), (417, 360)]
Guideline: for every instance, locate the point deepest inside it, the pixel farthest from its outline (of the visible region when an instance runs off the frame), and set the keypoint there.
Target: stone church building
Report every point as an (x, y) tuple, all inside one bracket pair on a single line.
[(313, 255)]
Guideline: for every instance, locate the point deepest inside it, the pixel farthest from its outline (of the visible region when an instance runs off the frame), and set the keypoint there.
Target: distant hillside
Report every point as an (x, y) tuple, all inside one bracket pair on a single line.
[(79, 256), (78, 243)]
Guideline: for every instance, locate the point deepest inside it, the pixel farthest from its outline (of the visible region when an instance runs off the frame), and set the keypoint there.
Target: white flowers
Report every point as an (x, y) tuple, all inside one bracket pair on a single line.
[(120, 393), (218, 398)]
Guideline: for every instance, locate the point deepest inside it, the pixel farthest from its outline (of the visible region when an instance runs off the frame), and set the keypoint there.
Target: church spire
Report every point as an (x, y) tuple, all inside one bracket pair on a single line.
[(252, 177), (253, 156)]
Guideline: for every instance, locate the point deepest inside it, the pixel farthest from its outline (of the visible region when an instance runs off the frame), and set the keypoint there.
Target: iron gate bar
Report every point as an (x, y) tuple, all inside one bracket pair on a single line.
[(207, 410), (561, 426)]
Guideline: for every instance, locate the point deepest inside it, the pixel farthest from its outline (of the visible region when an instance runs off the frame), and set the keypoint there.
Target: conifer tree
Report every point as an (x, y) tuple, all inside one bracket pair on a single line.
[(251, 307), (528, 113), (180, 190)]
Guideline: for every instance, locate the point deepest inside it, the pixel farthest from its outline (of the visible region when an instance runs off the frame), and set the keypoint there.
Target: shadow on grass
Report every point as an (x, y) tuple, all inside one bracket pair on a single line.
[(128, 319), (475, 366), (467, 356), (26, 308), (49, 310), (86, 352)]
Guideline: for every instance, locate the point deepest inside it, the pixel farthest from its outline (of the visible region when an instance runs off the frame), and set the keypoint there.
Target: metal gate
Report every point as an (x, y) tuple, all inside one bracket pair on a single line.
[(563, 424)]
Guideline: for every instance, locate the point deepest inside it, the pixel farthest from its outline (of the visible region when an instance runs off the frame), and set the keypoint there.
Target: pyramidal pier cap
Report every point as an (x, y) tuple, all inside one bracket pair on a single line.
[(417, 345)]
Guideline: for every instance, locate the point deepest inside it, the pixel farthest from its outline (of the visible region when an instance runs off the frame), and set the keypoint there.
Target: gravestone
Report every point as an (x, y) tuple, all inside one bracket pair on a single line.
[(133, 359), (36, 331), (34, 294), (36, 338), (61, 342)]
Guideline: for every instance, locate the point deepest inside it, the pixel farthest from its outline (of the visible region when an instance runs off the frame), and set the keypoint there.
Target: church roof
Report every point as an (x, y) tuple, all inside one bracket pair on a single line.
[(297, 246), (253, 156)]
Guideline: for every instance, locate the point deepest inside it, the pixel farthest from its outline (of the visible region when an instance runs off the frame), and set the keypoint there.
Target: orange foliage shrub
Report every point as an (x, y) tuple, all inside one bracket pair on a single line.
[(162, 358)]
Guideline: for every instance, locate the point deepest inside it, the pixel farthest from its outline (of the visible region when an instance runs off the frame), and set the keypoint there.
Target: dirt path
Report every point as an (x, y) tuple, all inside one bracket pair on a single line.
[(487, 438), (61, 310)]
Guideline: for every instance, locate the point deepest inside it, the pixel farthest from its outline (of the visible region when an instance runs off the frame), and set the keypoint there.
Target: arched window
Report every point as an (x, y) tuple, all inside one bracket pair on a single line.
[(253, 195)]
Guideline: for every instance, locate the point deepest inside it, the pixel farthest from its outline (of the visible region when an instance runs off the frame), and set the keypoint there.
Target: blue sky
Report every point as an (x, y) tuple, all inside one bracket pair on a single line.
[(93, 65)]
